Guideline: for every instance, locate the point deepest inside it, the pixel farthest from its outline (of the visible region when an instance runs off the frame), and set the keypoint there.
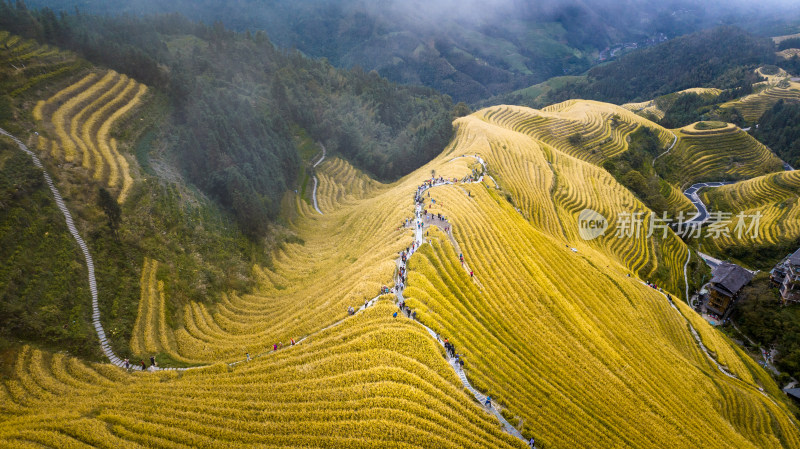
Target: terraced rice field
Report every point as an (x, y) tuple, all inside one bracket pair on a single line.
[(753, 106), (26, 64), (676, 200), (789, 53), (779, 39), (573, 350), (717, 154), (372, 382), (777, 87), (342, 184), (79, 119), (650, 107), (550, 187), (512, 328), (602, 127), (151, 333), (776, 197)]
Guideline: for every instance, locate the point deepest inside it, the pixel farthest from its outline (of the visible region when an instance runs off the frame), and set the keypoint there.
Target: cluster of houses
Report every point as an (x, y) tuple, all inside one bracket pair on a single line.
[(619, 49), (786, 277), (728, 280)]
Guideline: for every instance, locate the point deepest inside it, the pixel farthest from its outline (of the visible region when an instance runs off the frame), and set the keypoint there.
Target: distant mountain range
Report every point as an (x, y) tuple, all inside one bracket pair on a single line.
[(468, 49)]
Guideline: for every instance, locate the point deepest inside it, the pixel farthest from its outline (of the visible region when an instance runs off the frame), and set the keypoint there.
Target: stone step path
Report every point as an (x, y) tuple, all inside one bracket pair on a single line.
[(674, 141), (314, 195), (105, 346), (685, 274), (418, 242), (316, 181)]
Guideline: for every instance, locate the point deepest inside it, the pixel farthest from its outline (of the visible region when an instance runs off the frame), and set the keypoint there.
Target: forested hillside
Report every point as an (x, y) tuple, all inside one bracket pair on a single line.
[(703, 59), (233, 100), (468, 49), (779, 129)]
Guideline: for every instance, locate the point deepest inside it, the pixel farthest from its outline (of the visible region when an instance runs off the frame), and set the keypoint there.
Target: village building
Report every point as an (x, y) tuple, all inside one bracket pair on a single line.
[(786, 277), (726, 283)]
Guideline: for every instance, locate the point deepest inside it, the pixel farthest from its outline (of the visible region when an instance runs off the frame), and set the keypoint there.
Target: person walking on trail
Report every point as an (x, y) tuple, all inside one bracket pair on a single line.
[(144, 367), (247, 354), (470, 273), (292, 339), (394, 315), (488, 402), (152, 360), (127, 364), (275, 347), (532, 443)]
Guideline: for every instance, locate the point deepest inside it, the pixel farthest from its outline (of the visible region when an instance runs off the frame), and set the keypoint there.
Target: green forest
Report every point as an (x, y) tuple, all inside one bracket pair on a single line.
[(779, 129), (709, 58)]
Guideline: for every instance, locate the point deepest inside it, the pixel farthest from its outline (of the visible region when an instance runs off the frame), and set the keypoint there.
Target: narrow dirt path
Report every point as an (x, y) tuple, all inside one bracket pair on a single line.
[(685, 274), (105, 346), (722, 369), (767, 364), (674, 141), (419, 240), (316, 181)]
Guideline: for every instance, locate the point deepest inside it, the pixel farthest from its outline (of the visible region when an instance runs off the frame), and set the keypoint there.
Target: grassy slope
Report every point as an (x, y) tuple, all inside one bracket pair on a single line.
[(39, 259), (162, 217)]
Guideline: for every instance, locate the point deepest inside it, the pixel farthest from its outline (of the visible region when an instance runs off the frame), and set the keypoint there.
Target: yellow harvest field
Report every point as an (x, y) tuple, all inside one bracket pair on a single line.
[(777, 87), (602, 127), (717, 154), (372, 382), (550, 187), (775, 198), (650, 107), (81, 117), (574, 351)]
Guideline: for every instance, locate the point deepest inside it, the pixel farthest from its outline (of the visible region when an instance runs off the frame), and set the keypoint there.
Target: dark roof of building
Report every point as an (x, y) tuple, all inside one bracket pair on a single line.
[(730, 277), (794, 259), (794, 392)]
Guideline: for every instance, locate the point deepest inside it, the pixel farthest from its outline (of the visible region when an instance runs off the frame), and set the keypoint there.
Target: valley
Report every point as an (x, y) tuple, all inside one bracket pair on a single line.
[(250, 248)]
